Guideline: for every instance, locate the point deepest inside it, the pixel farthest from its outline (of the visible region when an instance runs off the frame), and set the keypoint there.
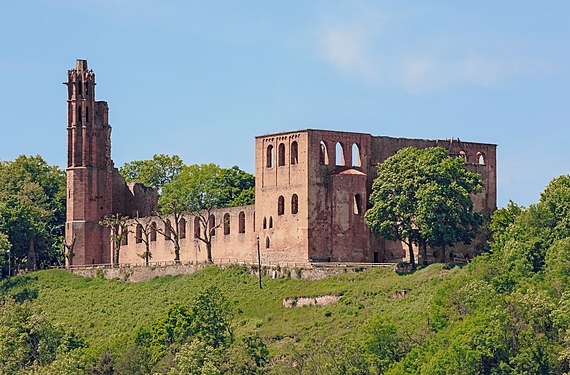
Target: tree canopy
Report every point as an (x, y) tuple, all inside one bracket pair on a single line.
[(156, 172), (423, 197), (32, 210)]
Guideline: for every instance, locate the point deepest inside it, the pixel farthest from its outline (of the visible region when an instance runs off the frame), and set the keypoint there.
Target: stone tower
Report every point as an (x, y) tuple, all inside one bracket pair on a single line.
[(89, 168)]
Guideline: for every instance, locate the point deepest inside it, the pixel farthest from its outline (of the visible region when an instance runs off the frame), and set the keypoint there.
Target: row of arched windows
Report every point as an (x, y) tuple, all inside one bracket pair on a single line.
[(294, 155), (339, 154), (182, 228)]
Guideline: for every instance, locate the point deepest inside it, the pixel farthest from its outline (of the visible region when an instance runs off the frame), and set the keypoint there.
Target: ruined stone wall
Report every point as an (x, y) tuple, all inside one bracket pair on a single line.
[(234, 242)]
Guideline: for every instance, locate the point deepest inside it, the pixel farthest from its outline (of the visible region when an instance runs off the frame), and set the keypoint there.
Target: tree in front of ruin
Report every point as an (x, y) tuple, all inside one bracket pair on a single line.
[(119, 226), (156, 172), (202, 189), (422, 197)]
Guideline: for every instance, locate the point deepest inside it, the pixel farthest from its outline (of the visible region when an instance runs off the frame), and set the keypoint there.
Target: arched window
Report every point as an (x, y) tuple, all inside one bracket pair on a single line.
[(356, 161), (294, 204), (196, 227), (167, 230), (212, 225), (281, 155), (269, 156), (80, 90), (153, 231), (270, 222), (324, 153), (280, 205), (357, 204), (79, 117), (264, 223), (226, 223), (480, 158), (463, 155), (294, 153), (138, 233), (339, 154), (125, 237), (86, 88), (241, 222), (182, 228), (267, 242)]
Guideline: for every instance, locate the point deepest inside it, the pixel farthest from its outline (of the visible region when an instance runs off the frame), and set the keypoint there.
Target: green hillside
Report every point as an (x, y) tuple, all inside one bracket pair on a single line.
[(507, 312)]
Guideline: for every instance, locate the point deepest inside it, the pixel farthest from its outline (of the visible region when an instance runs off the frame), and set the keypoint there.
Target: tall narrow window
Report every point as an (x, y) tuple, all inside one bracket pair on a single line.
[(125, 237), (80, 89), (87, 115), (264, 223), (138, 233), (226, 223), (480, 158), (281, 155), (356, 162), (324, 153), (212, 225), (339, 154), (182, 228), (153, 231), (269, 156), (79, 115), (280, 205), (294, 153), (357, 204), (241, 221), (86, 88), (167, 230), (270, 222), (267, 242), (196, 227), (294, 204)]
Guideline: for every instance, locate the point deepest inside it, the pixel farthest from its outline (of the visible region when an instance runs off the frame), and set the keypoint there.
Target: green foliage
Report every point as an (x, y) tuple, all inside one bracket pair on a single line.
[(5, 247), (208, 186), (28, 339), (32, 210), (422, 196), (160, 170)]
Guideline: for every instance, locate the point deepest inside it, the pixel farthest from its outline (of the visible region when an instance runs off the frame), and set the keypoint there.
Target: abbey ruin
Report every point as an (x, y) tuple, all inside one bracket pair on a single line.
[(311, 191)]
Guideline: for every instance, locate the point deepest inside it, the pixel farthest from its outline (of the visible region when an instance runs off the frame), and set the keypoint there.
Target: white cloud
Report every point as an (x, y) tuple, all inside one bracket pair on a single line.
[(362, 50)]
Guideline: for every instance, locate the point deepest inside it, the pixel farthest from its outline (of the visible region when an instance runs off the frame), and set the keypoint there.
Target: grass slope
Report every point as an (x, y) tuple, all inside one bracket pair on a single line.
[(108, 311)]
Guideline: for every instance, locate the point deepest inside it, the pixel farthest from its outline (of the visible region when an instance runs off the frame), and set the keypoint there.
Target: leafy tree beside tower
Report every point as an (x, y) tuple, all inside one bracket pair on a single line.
[(422, 197)]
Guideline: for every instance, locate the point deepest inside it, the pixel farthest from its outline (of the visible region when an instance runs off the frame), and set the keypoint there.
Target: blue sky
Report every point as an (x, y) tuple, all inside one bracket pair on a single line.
[(201, 79)]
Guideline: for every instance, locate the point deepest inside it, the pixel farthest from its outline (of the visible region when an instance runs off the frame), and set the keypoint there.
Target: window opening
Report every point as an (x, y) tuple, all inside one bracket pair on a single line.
[(264, 223), (357, 204), (339, 154), (167, 231), (153, 231), (281, 205), (241, 222), (267, 242), (480, 158), (294, 204), (270, 222), (356, 161), (196, 227), (226, 223), (269, 156), (281, 156), (138, 233), (324, 154), (182, 228), (462, 155), (294, 153), (212, 225)]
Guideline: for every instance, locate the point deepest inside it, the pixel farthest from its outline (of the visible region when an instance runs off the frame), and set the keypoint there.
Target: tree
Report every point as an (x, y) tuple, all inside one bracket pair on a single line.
[(171, 231), (32, 210), (119, 226), (143, 230), (200, 190), (422, 197), (160, 170)]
